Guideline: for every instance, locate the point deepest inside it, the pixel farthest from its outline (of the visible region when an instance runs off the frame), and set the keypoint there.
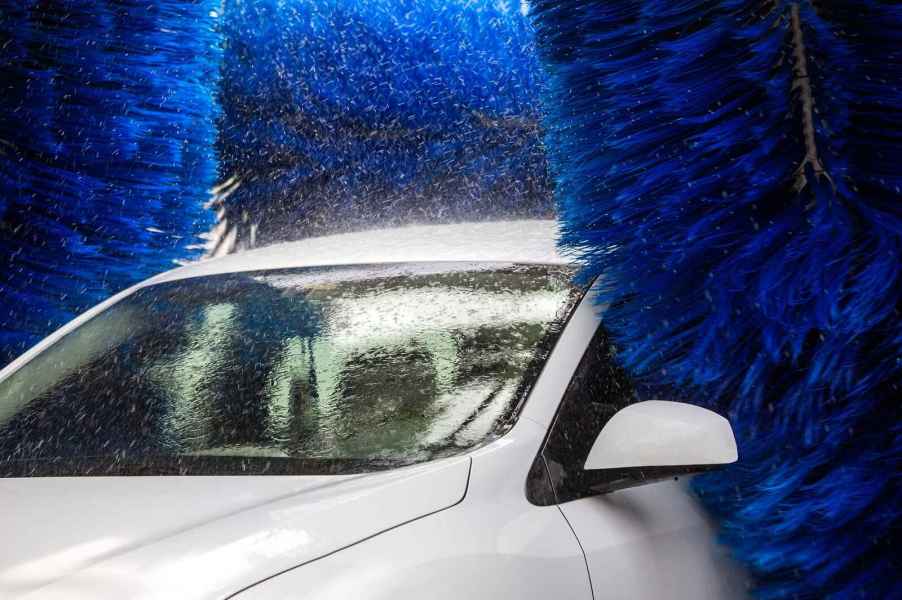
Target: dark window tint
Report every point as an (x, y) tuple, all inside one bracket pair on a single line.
[(598, 389)]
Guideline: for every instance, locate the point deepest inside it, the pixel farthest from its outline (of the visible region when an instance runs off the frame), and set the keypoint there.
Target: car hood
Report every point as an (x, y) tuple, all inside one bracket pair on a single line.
[(198, 537)]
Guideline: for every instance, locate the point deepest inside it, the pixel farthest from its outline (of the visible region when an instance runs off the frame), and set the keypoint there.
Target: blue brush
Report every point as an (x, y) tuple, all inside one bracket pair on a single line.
[(107, 117), (732, 168), (343, 115)]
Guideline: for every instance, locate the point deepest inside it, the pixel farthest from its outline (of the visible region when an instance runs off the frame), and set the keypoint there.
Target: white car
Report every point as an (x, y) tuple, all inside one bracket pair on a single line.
[(429, 412)]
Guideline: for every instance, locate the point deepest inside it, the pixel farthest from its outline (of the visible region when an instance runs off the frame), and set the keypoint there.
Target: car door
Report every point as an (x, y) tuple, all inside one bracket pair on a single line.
[(646, 539)]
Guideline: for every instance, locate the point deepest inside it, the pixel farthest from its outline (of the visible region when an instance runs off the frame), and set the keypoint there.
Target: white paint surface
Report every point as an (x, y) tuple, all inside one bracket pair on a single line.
[(494, 545), (653, 542), (108, 538), (656, 433), (531, 241)]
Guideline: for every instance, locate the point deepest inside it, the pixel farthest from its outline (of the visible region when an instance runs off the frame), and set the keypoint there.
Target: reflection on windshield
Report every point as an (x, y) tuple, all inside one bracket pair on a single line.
[(312, 366)]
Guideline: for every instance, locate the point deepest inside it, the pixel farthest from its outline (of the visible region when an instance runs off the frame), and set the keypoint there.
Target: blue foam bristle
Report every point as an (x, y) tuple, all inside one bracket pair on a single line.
[(676, 139), (107, 119), (342, 115)]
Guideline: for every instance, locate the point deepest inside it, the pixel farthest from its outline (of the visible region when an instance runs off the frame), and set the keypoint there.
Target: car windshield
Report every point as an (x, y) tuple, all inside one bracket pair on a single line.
[(315, 370)]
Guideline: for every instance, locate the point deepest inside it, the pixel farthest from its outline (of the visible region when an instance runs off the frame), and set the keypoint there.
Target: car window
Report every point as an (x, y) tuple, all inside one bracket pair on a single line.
[(320, 370), (598, 389)]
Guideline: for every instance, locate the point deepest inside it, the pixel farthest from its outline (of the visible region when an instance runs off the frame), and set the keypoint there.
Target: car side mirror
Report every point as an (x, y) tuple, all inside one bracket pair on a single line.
[(656, 435)]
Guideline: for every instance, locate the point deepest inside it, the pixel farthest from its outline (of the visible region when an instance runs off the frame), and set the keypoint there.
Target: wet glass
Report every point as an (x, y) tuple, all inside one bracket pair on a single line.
[(322, 370)]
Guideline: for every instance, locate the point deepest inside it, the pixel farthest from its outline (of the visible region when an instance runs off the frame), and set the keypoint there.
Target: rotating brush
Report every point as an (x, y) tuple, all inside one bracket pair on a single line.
[(731, 169), (347, 115), (107, 116)]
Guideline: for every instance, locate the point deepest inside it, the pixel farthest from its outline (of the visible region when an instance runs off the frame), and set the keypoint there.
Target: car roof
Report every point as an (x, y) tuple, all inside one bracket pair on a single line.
[(527, 241)]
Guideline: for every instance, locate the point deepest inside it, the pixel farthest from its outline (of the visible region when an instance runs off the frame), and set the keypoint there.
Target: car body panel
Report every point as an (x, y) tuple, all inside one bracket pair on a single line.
[(494, 545), (527, 241), (198, 537), (653, 541)]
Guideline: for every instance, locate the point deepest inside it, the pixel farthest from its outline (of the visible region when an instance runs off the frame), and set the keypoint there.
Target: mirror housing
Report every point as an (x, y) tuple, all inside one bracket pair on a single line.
[(656, 434)]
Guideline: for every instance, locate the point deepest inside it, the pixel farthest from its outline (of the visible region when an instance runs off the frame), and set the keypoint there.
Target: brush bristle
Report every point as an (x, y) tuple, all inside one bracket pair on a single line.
[(748, 266), (107, 118), (344, 115)]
